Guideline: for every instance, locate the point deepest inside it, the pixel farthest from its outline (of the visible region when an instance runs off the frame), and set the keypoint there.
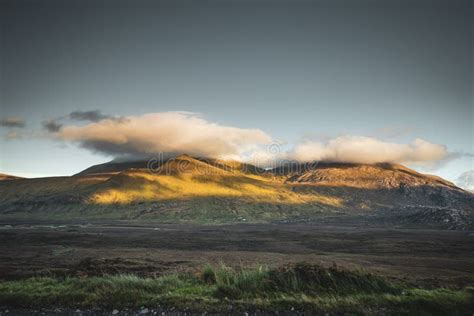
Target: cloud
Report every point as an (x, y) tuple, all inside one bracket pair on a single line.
[(92, 116), (12, 122), (52, 126), (466, 180), (13, 135), (360, 149), (182, 132), (167, 132)]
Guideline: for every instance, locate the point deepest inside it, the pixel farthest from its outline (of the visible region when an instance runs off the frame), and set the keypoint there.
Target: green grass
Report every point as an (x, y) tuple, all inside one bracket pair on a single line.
[(299, 286), (207, 211)]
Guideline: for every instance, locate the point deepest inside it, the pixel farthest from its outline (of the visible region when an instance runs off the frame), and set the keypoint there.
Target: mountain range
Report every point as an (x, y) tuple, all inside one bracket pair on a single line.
[(202, 190)]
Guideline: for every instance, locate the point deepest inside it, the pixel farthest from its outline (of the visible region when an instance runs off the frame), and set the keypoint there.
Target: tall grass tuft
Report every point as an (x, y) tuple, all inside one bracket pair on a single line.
[(294, 278), (233, 283), (307, 278), (208, 275)]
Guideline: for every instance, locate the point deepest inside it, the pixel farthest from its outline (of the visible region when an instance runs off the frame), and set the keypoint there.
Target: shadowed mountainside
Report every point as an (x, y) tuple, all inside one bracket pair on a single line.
[(209, 191)]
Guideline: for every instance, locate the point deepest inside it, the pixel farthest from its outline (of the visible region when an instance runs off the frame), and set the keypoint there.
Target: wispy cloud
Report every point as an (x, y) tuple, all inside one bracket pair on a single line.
[(12, 122), (52, 126), (91, 116), (13, 135), (55, 124)]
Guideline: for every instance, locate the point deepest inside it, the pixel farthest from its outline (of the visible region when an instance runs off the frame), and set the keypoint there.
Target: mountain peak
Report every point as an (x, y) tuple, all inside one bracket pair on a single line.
[(184, 157)]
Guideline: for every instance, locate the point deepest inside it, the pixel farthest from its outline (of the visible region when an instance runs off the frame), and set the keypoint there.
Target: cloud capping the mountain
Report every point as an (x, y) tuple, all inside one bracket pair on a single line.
[(184, 132)]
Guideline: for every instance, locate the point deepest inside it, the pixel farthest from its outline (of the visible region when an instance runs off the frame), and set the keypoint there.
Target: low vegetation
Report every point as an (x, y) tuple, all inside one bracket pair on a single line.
[(300, 287)]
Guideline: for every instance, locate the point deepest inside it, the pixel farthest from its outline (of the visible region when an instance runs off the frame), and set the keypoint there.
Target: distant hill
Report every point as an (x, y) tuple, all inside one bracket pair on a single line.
[(4, 176), (187, 189)]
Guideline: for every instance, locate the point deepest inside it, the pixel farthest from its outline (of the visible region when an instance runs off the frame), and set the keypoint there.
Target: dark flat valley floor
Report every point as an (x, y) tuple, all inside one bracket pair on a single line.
[(426, 257)]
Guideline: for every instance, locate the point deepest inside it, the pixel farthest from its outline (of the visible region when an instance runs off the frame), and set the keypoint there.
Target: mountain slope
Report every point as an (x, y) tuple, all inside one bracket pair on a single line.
[(391, 184), (366, 176), (209, 190), (4, 177)]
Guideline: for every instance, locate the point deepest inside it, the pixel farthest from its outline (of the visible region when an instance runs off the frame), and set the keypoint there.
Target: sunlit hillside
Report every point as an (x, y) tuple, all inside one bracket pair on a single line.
[(209, 190), (186, 178)]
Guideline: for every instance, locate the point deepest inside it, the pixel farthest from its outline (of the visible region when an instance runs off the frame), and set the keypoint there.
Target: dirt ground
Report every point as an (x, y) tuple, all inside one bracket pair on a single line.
[(427, 257)]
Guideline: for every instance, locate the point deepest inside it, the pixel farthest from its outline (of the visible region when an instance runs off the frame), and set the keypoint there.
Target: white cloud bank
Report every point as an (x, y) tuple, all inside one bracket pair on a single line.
[(167, 132), (359, 149), (182, 132)]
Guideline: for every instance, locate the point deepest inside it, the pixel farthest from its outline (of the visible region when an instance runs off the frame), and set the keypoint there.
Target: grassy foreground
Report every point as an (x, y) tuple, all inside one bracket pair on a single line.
[(300, 287)]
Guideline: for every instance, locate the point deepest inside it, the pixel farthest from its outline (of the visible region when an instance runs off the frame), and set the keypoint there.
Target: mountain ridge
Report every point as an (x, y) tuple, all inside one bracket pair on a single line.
[(210, 190), (6, 177)]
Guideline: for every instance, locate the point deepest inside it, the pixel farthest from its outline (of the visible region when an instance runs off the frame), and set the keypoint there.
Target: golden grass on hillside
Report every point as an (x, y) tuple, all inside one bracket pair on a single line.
[(143, 186)]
